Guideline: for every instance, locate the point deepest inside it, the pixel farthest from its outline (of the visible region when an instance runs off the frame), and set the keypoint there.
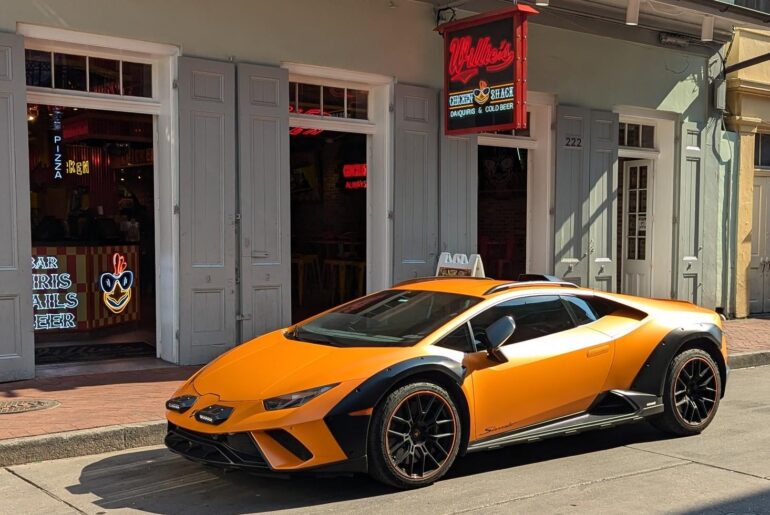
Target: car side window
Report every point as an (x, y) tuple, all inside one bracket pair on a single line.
[(534, 316), (581, 309), (459, 339)]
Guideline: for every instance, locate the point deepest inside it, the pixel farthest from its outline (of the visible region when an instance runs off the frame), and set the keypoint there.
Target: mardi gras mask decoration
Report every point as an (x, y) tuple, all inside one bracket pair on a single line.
[(117, 285)]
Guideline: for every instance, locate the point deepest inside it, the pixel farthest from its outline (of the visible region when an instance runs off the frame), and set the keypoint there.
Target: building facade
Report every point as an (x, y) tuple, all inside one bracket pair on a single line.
[(228, 168)]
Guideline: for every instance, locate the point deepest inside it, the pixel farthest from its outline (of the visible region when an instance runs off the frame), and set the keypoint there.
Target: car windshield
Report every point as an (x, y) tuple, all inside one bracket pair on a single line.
[(390, 318)]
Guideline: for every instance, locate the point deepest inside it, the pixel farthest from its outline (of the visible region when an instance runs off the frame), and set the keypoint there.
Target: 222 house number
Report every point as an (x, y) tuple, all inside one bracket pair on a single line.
[(574, 142)]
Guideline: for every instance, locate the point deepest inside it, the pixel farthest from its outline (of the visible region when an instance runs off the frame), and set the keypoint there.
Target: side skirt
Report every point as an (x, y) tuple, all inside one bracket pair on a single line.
[(636, 407)]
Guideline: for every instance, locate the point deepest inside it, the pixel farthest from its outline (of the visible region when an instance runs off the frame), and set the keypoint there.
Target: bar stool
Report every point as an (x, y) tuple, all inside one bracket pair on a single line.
[(306, 264), (334, 271)]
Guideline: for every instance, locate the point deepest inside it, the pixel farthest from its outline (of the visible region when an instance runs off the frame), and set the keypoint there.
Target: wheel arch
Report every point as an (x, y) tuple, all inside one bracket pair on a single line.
[(352, 432), (707, 337)]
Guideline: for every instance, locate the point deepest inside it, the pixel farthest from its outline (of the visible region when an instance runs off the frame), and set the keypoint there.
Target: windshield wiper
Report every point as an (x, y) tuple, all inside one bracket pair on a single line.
[(315, 338)]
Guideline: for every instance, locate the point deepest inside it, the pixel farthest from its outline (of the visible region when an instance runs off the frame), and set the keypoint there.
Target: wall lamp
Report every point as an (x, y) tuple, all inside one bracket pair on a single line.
[(632, 12)]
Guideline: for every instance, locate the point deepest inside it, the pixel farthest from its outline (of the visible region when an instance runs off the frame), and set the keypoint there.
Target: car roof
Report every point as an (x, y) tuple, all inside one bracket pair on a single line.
[(476, 286)]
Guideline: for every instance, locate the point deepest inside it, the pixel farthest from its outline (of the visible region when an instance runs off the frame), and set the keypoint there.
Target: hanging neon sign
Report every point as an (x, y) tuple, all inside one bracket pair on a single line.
[(116, 286), (78, 167), (57, 156), (48, 297)]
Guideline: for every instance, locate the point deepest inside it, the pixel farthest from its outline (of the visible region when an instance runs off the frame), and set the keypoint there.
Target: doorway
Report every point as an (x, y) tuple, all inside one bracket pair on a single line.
[(92, 213), (329, 185), (502, 210), (759, 266), (634, 241)]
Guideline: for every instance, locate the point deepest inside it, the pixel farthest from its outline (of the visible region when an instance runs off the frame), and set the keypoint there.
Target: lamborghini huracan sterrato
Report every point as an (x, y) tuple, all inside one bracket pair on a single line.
[(402, 381)]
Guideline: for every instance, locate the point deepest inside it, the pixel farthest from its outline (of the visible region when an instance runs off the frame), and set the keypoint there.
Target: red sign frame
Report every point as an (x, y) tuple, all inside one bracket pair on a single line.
[(494, 59)]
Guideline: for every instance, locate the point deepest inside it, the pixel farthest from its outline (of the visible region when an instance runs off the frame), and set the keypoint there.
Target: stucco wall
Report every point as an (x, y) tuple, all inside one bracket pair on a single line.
[(370, 36)]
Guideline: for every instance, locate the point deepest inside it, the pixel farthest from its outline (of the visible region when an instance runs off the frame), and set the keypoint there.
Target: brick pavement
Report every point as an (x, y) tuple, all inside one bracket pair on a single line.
[(88, 401), (747, 335)]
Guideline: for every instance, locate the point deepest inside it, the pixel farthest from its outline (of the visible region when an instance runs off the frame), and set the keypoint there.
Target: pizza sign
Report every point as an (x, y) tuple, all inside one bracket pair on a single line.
[(485, 74)]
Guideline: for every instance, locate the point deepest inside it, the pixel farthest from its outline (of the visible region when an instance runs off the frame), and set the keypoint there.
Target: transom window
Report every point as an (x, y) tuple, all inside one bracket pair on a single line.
[(64, 71), (636, 135), (762, 150), (338, 102)]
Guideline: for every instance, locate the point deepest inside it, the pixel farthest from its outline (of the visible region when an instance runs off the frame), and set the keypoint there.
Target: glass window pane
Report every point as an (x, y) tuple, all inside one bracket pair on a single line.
[(334, 102), (309, 99), (622, 134), (70, 71), (757, 145), (458, 340), (632, 178), (643, 177), (358, 104), (648, 136), (631, 231), (137, 79), (765, 150), (632, 136), (38, 68), (642, 225), (292, 97), (642, 201), (631, 245), (642, 249), (581, 309), (104, 76), (632, 202)]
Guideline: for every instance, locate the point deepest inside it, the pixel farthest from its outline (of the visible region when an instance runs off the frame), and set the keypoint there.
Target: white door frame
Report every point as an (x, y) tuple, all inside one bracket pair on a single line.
[(163, 107), (540, 178), (379, 132), (663, 156)]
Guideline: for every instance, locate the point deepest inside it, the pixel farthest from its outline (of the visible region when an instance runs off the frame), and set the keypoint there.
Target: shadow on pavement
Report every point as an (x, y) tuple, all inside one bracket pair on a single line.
[(158, 482)]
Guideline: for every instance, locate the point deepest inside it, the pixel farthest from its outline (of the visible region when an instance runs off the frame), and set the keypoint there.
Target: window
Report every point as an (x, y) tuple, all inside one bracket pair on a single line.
[(581, 309), (534, 316), (459, 339), (636, 135), (74, 72), (316, 100), (762, 150), (391, 318)]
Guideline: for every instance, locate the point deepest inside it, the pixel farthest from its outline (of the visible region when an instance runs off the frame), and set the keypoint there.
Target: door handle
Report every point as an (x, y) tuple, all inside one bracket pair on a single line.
[(598, 350)]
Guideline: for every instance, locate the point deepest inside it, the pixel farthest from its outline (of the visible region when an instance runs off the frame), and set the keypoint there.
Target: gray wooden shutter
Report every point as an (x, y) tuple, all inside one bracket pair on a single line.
[(206, 209), (603, 201), (263, 182), (17, 344), (690, 214), (571, 184), (415, 231), (458, 198)]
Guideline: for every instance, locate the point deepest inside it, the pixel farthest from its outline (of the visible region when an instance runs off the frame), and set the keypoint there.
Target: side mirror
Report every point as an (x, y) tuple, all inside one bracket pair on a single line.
[(498, 333)]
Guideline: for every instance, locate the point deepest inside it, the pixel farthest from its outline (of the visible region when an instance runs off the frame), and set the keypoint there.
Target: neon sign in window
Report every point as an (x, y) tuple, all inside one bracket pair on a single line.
[(52, 304)]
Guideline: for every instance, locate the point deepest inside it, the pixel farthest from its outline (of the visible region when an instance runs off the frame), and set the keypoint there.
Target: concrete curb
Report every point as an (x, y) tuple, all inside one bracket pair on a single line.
[(18, 451), (748, 359)]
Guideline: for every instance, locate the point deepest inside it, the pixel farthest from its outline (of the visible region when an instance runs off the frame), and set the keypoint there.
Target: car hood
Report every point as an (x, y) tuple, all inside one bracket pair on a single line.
[(274, 365)]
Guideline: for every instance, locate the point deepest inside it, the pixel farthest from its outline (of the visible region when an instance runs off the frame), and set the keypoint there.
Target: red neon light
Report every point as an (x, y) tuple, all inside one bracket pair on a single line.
[(465, 60), (355, 185), (354, 170)]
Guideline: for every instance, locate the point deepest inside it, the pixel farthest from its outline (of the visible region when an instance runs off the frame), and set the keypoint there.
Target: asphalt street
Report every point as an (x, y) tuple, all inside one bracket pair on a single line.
[(632, 469)]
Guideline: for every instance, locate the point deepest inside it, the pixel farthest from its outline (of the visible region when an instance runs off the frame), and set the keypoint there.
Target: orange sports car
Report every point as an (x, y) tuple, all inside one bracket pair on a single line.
[(402, 381)]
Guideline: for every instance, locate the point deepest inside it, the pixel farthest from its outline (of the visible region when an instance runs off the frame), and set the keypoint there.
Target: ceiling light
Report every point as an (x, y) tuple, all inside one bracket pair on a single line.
[(541, 3), (707, 28), (632, 12)]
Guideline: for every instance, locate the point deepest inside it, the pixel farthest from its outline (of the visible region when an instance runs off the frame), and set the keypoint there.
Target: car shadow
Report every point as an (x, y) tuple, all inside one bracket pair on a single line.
[(157, 481)]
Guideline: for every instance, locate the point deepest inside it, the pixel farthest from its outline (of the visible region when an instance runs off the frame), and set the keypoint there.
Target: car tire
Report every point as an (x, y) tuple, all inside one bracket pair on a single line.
[(691, 394), (415, 436)]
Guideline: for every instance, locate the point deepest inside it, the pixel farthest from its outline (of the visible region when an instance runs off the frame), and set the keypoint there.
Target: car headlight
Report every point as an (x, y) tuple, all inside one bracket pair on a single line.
[(296, 399)]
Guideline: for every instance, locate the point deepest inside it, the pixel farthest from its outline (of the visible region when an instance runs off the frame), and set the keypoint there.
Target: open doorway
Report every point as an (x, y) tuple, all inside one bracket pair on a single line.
[(502, 211), (92, 198), (328, 219)]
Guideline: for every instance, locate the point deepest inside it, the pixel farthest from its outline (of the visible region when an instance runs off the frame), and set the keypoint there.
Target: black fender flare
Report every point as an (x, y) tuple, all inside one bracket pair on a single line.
[(651, 378), (351, 431)]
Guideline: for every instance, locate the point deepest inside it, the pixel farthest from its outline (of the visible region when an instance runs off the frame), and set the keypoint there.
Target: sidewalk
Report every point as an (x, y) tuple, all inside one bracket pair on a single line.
[(748, 341)]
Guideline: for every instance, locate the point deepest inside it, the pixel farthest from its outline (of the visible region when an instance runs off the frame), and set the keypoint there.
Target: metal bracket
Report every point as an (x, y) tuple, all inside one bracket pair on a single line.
[(242, 317)]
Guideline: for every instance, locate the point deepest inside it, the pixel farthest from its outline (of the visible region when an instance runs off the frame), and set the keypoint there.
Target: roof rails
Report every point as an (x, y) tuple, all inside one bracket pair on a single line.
[(523, 284), (438, 278)]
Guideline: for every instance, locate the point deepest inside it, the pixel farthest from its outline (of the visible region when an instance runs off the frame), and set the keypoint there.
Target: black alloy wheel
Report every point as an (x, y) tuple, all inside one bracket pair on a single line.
[(692, 392), (416, 436)]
